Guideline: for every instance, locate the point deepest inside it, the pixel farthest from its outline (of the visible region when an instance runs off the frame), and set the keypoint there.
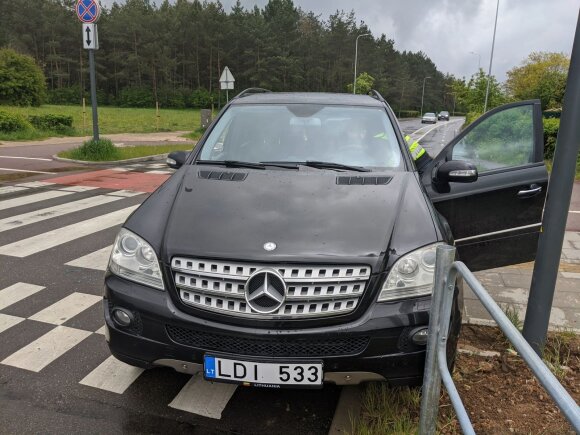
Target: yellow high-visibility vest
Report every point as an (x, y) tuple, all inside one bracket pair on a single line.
[(416, 149)]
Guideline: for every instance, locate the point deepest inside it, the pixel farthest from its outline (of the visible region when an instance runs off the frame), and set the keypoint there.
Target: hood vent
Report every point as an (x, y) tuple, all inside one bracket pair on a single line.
[(375, 181), (221, 175)]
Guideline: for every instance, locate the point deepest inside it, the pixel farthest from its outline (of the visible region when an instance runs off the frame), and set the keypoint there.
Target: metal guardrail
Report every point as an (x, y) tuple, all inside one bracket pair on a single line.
[(436, 370)]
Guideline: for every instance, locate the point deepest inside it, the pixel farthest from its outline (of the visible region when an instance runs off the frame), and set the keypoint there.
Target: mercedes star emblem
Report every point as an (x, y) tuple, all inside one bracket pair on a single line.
[(265, 291), (269, 246)]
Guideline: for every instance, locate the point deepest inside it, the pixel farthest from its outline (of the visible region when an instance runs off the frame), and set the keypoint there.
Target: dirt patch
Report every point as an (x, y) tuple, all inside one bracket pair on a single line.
[(501, 394)]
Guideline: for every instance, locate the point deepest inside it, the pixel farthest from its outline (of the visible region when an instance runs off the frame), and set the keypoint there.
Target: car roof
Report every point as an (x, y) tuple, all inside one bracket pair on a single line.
[(308, 98)]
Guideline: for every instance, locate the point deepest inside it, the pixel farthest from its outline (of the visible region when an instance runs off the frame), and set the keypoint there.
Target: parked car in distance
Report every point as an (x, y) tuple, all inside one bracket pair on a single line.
[(443, 116), (429, 118), (295, 244)]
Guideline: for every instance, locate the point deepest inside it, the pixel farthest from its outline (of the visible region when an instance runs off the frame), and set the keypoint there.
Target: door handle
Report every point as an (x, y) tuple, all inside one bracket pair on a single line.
[(533, 190)]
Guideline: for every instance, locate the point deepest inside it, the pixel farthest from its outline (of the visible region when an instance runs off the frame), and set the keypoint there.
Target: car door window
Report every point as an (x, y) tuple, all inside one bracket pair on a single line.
[(503, 140)]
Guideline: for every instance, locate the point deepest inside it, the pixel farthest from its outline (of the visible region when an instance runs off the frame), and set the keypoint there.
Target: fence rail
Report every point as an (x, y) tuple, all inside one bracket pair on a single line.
[(446, 273)]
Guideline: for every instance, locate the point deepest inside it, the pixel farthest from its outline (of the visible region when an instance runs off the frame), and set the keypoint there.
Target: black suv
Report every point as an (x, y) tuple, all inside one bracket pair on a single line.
[(296, 243)]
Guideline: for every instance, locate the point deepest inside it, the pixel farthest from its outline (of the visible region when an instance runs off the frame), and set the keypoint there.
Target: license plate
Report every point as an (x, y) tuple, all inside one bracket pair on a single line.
[(259, 374)]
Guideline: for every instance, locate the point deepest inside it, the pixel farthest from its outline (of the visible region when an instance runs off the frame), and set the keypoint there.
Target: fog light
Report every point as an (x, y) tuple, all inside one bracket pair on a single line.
[(122, 317), (419, 337)]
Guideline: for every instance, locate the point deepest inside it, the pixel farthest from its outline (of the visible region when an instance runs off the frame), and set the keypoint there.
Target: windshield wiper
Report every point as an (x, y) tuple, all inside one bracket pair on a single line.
[(289, 165), (232, 164), (332, 165)]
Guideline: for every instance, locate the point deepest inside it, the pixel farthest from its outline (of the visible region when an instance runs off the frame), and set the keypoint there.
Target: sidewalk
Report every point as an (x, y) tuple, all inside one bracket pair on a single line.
[(510, 286), (148, 138)]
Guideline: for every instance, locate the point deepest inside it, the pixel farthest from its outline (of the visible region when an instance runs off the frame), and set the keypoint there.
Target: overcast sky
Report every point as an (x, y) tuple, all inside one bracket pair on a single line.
[(448, 30)]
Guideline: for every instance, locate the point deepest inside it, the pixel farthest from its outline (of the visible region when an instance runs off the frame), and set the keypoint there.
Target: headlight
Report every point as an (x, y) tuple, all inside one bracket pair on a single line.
[(134, 259), (411, 275)]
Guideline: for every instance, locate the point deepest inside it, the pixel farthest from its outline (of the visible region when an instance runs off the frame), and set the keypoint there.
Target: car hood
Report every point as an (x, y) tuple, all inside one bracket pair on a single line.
[(306, 213)]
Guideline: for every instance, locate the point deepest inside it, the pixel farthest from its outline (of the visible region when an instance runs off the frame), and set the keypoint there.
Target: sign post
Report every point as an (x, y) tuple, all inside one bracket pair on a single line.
[(88, 12), (227, 81)]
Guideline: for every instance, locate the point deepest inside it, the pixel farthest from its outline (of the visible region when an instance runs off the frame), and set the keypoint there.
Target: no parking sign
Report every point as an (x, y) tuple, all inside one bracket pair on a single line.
[(88, 11)]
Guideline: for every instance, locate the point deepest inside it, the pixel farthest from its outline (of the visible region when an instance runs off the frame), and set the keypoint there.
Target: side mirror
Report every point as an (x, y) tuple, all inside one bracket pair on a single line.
[(176, 159), (456, 171)]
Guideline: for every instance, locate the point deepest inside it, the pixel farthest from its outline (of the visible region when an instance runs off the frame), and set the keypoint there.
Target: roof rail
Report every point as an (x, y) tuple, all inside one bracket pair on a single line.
[(375, 94), (250, 91)]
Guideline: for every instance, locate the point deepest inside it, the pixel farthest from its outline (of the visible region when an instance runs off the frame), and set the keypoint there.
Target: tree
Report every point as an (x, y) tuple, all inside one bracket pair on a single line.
[(22, 82), (364, 83), (472, 95), (542, 75)]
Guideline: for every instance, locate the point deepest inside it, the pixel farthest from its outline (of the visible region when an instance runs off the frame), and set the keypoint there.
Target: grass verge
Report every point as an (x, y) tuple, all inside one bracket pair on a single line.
[(105, 151), (111, 120)]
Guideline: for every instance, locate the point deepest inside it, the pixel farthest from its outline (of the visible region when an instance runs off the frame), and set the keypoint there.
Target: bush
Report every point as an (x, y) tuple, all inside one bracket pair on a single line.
[(58, 123), (12, 122), (551, 127), (136, 97), (95, 151), (408, 113), (201, 99), (470, 117), (552, 113), (67, 95), (22, 82)]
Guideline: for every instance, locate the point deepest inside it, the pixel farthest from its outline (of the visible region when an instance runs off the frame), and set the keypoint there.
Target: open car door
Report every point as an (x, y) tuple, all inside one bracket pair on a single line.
[(496, 219)]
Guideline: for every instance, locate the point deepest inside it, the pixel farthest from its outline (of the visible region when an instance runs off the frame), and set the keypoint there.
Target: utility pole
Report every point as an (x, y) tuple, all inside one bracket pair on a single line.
[(491, 59), (356, 60), (556, 208), (423, 94)]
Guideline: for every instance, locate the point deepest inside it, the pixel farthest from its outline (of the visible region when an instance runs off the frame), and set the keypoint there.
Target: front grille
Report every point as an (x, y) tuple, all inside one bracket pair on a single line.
[(311, 291), (279, 347)]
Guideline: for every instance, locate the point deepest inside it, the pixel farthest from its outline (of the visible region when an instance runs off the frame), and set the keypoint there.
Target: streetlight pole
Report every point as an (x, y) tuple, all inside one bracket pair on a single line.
[(356, 60), (478, 59), (491, 59), (423, 94)]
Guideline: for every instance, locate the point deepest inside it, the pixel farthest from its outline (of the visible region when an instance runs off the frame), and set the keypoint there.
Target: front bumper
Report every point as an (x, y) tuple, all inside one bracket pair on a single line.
[(374, 347)]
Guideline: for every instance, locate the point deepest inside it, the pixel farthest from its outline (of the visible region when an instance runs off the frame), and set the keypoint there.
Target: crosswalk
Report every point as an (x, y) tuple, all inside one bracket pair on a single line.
[(55, 241)]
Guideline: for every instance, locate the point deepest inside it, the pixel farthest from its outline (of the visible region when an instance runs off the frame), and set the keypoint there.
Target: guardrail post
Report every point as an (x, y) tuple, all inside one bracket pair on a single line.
[(445, 255)]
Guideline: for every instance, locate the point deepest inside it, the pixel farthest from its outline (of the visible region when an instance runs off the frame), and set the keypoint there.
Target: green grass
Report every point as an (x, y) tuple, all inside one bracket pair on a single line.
[(111, 120), (104, 153), (549, 167)]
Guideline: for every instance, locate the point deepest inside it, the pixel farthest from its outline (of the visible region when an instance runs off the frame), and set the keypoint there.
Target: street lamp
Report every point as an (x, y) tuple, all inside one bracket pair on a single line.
[(356, 59), (423, 94), (479, 59), (491, 59)]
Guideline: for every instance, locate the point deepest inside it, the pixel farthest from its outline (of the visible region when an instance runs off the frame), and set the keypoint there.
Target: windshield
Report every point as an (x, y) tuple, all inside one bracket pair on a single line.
[(356, 136), (429, 114)]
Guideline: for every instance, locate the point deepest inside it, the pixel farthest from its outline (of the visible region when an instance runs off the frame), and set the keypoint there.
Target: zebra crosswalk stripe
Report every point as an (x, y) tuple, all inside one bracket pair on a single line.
[(50, 239), (11, 189), (21, 220), (7, 321), (44, 350), (204, 398), (112, 375), (29, 199), (95, 260), (66, 308), (17, 292)]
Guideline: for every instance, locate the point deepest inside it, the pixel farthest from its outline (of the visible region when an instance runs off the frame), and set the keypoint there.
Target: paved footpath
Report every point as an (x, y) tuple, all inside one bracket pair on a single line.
[(509, 286)]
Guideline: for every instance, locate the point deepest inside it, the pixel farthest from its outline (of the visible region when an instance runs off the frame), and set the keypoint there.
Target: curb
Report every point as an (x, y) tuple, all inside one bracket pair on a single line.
[(155, 157)]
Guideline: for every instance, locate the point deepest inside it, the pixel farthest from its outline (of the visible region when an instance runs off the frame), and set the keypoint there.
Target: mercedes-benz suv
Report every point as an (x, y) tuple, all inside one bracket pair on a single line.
[(295, 244)]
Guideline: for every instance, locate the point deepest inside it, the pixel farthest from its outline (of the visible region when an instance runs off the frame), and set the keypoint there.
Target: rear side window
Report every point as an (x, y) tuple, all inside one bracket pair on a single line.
[(361, 136)]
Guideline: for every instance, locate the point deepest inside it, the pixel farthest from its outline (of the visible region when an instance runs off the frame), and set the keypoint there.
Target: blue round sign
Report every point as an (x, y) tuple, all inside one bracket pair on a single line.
[(88, 11)]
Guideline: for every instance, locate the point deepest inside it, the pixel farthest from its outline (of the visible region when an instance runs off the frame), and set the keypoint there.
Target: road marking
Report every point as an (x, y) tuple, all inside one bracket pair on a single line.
[(434, 127), (125, 193), (97, 260), (25, 158), (204, 398), (77, 188), (24, 219), (11, 189), (36, 184), (112, 375), (7, 322), (101, 330), (26, 170), (29, 199), (158, 171), (573, 211), (17, 292), (157, 165), (44, 350), (50, 239), (66, 308)]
